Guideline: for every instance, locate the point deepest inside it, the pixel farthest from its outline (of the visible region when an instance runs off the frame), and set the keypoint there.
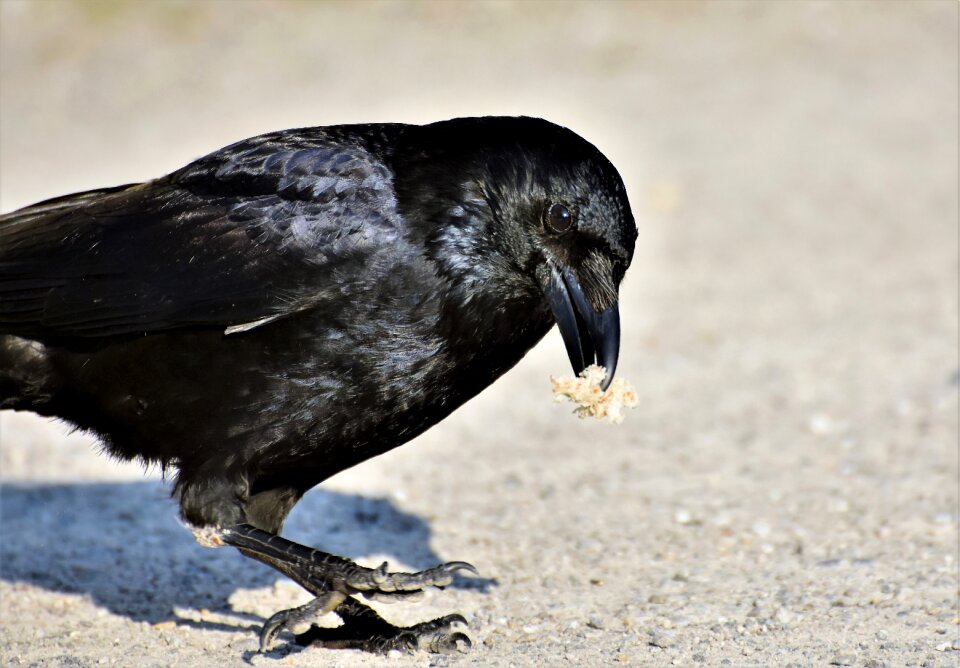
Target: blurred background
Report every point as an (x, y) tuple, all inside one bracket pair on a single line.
[(790, 321)]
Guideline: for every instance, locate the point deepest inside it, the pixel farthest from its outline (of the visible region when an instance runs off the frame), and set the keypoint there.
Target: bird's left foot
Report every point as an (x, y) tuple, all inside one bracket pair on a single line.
[(320, 572), (365, 630)]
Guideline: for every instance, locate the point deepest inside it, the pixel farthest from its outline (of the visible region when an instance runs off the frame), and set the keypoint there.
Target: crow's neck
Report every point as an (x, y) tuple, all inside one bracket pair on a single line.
[(487, 329)]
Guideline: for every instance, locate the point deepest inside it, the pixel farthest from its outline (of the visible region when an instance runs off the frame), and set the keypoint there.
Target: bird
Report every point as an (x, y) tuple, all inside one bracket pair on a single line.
[(301, 301)]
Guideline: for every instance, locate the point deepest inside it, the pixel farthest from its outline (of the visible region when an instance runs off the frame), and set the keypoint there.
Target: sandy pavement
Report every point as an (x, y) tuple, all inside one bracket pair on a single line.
[(787, 492)]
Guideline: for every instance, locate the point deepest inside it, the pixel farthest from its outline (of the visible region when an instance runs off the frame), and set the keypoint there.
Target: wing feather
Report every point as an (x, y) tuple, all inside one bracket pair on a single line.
[(245, 236)]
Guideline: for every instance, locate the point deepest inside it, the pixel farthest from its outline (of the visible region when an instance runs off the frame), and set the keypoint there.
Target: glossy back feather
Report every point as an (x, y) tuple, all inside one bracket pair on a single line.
[(243, 235)]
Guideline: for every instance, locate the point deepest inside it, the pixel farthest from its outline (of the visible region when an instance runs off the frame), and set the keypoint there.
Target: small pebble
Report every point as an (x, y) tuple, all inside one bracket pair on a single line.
[(783, 616), (843, 660), (662, 640), (595, 622)]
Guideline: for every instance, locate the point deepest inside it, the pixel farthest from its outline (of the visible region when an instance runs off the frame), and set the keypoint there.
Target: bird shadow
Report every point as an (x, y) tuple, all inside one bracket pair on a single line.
[(122, 545)]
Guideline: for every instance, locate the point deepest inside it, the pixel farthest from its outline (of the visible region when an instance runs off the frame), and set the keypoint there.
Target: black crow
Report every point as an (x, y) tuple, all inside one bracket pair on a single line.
[(298, 302)]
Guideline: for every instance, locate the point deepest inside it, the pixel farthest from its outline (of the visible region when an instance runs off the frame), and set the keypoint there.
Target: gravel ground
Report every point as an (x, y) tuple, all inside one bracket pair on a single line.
[(787, 491)]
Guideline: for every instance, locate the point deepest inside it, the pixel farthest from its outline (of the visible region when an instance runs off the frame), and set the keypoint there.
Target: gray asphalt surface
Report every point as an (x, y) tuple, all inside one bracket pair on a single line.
[(787, 491)]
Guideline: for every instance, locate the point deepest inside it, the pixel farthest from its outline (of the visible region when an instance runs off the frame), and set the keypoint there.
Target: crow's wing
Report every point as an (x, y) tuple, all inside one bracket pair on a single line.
[(249, 234)]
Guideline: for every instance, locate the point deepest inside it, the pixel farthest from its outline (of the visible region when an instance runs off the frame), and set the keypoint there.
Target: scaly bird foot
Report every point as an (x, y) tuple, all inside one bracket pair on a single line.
[(365, 630)]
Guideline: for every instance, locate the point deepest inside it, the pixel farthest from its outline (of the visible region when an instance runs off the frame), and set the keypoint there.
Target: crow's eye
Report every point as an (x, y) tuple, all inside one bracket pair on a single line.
[(558, 218)]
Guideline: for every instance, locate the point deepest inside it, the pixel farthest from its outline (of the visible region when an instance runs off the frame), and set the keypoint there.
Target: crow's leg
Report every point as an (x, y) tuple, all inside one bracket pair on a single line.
[(333, 580), (320, 572)]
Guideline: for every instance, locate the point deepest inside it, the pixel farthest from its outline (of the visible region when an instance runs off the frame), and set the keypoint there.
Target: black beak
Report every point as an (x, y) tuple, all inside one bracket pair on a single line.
[(589, 336)]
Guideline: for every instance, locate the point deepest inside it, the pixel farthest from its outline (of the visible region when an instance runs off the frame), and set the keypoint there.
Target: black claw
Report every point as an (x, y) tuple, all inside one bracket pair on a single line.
[(455, 618), (454, 566), (464, 639), (270, 630)]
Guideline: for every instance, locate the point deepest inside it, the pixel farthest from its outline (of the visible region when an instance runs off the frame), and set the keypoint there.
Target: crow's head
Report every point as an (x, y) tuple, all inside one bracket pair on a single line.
[(528, 210)]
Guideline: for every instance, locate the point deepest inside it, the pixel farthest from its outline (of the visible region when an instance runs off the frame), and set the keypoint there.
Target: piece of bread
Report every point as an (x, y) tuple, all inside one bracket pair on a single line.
[(585, 392)]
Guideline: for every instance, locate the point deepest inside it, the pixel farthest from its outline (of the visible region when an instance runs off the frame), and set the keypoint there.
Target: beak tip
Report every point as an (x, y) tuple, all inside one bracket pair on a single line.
[(607, 379)]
